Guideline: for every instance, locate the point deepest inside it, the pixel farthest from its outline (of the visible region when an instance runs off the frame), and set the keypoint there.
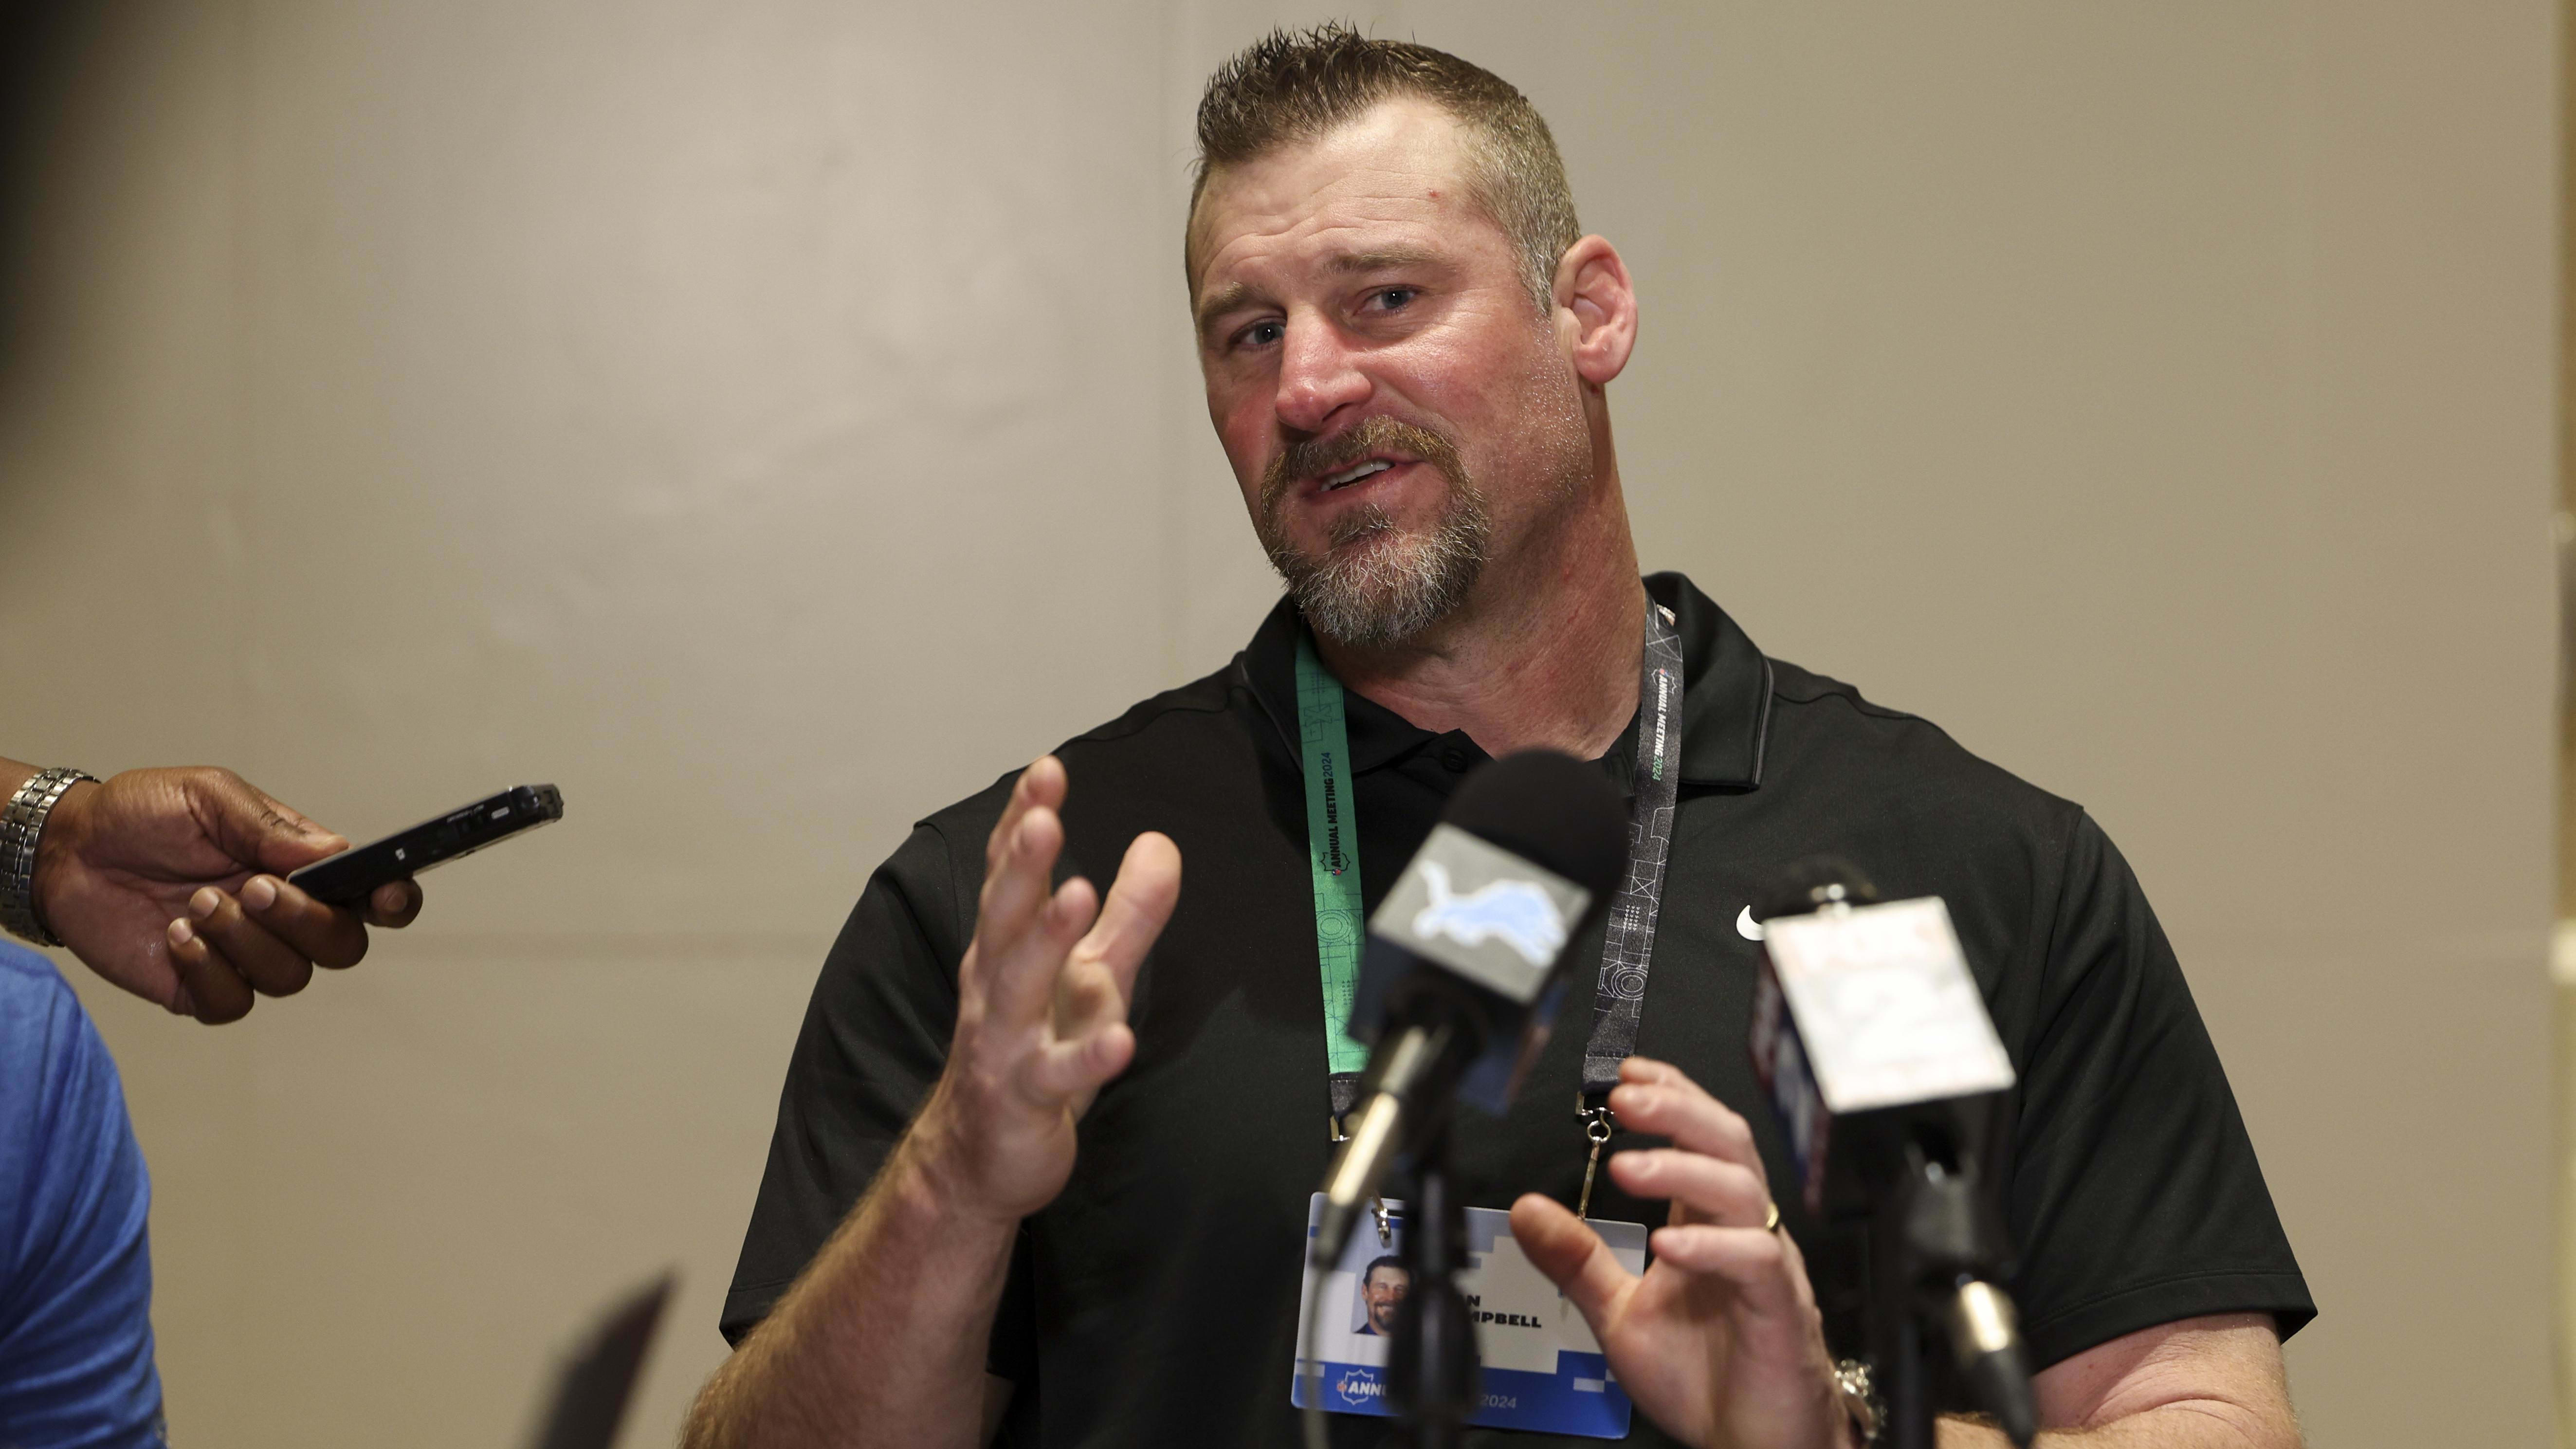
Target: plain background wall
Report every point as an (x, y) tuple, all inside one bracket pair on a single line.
[(771, 421)]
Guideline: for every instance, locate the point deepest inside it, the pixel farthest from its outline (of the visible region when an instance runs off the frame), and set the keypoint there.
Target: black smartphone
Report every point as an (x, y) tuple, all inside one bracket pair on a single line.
[(352, 875)]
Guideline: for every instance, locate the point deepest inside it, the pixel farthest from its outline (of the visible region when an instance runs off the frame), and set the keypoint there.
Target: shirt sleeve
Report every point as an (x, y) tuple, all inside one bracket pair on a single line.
[(2134, 1196), (76, 1353), (874, 1042)]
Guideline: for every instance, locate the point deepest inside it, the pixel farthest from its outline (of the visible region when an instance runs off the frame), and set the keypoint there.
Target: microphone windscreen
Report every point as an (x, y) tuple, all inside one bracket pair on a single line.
[(1551, 810)]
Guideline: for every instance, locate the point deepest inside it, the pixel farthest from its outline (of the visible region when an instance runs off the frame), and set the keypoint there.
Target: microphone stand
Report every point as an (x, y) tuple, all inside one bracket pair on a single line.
[(1935, 1254), (1432, 1366), (1907, 1389)]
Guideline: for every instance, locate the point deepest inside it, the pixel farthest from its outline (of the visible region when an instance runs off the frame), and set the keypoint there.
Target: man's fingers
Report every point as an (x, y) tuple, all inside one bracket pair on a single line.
[(1017, 857), (1139, 906), (1015, 889), (213, 992), (1042, 783), (1655, 1097), (1020, 979), (1755, 1263), (1068, 1068), (272, 967), (394, 905), (1713, 1191), (327, 937), (1573, 1257)]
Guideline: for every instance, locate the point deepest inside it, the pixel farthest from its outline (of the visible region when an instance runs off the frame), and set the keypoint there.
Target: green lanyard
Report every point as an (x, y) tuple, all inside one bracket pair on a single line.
[(1333, 854)]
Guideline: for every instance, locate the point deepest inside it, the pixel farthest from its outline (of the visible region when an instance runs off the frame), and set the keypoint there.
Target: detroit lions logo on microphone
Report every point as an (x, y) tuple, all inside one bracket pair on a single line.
[(1518, 912)]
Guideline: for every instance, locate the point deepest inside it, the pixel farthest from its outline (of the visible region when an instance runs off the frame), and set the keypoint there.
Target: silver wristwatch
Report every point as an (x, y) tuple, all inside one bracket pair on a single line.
[(1860, 1399), (21, 824)]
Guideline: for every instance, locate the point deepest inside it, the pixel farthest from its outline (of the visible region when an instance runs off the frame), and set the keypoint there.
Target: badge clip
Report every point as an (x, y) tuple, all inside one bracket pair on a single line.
[(1598, 1125)]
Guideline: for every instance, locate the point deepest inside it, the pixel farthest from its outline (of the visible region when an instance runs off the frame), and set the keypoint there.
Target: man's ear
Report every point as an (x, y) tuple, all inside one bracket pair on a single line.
[(1592, 285)]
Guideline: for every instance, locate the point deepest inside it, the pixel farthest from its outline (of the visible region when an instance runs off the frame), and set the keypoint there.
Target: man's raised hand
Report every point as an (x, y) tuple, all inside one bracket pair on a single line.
[(1719, 1342), (1041, 1006)]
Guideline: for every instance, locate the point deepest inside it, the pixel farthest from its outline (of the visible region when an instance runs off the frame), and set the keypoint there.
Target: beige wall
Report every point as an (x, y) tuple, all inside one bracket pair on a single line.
[(771, 421)]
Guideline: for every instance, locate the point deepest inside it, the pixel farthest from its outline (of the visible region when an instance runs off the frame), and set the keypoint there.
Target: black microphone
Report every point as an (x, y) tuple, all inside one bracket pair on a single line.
[(1889, 1082), (1465, 959)]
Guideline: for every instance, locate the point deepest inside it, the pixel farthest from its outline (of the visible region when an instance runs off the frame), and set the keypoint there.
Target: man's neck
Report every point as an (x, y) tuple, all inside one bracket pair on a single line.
[(1545, 653)]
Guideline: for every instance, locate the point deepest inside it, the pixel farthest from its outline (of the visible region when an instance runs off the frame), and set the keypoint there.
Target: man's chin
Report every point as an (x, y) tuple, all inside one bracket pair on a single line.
[(1375, 624), (1386, 587)]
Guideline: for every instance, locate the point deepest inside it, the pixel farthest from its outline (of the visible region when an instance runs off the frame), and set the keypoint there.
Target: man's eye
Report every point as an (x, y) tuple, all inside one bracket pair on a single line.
[(1259, 334), (1392, 299)]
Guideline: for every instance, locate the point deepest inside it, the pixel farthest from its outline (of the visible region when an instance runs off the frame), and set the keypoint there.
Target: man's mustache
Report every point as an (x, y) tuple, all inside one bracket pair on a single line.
[(1369, 436)]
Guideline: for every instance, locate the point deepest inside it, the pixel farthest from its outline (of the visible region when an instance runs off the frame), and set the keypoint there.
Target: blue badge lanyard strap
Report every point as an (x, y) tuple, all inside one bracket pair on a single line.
[(1332, 851)]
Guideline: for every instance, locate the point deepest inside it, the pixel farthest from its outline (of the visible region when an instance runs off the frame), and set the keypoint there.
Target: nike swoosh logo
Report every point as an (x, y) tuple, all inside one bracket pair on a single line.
[(1746, 926)]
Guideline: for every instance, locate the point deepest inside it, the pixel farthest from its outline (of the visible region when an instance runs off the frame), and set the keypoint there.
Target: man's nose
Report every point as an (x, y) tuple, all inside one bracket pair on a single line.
[(1319, 375)]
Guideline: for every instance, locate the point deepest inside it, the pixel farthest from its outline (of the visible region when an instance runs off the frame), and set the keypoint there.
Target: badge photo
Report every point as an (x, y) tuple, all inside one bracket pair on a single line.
[(1542, 1368)]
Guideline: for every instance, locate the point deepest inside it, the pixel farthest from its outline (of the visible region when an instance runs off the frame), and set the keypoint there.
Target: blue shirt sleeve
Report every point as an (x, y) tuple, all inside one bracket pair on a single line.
[(75, 1267)]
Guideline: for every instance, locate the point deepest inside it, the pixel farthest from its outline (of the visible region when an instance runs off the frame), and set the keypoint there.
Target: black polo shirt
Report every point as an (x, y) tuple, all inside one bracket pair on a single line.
[(1154, 1301)]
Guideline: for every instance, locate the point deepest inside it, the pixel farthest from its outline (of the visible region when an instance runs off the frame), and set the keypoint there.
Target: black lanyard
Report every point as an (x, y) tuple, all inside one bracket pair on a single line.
[(1628, 950)]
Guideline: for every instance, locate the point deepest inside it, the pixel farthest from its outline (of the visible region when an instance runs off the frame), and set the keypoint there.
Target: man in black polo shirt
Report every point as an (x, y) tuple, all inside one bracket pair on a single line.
[(1043, 1160)]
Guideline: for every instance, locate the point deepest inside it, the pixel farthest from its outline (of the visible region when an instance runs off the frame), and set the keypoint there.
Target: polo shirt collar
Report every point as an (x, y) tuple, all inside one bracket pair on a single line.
[(1726, 699), (1726, 689)]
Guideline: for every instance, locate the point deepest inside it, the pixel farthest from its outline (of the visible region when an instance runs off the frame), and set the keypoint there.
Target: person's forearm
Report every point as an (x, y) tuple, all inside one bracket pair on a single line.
[(882, 1341), (2211, 1424)]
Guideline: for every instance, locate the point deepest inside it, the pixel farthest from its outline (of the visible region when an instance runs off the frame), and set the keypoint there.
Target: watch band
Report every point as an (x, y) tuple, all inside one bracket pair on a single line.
[(1859, 1392), (21, 825)]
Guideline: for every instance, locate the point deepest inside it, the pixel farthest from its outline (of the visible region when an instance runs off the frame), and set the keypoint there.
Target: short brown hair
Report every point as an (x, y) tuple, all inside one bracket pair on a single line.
[(1296, 85)]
